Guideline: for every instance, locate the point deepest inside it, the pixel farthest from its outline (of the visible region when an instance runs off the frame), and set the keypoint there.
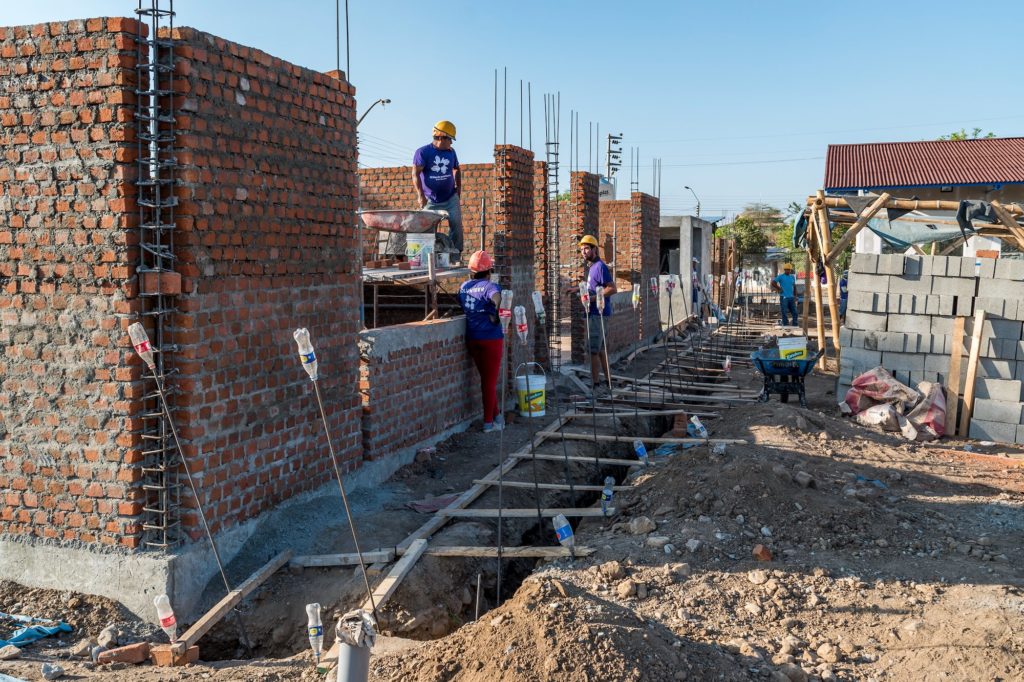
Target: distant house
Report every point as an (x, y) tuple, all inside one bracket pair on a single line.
[(950, 170)]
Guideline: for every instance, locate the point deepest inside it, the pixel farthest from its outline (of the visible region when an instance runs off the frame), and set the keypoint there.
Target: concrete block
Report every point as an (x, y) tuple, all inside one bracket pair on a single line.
[(984, 430), (903, 362), (1003, 411), (931, 304), (998, 389), (947, 305), (865, 263), (995, 328), (910, 285), (992, 368), (909, 324), (963, 305), (1001, 288), (845, 336), (859, 360), (912, 304), (952, 286), (856, 319), (987, 269), (969, 267), (1019, 315), (934, 266), (890, 264), (1020, 351), (995, 307), (863, 282), (1004, 349), (1020, 434), (893, 302), (862, 300), (941, 324), (865, 340), (890, 342), (1019, 372), (913, 265), (1009, 268), (941, 344)]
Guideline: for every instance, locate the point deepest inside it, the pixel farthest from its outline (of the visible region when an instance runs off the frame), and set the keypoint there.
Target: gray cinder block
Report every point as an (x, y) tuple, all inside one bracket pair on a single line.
[(992, 368), (856, 319), (859, 360), (985, 430), (890, 264), (953, 286), (878, 284), (910, 324), (1004, 411), (866, 263), (998, 389), (921, 286), (903, 362)]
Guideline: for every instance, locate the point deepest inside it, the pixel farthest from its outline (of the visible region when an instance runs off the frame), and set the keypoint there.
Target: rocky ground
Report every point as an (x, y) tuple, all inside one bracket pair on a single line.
[(819, 550)]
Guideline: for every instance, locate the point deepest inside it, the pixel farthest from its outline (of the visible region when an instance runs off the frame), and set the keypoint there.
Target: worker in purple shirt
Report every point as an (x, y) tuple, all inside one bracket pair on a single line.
[(479, 298), (598, 275), (438, 181)]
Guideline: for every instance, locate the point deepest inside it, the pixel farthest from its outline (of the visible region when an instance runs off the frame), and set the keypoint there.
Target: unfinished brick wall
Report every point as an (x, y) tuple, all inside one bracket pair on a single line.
[(628, 231), (69, 465), (267, 244), (416, 381)]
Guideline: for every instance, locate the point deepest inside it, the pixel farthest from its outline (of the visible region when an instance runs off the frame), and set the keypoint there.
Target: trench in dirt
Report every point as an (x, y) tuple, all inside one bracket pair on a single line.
[(440, 594)]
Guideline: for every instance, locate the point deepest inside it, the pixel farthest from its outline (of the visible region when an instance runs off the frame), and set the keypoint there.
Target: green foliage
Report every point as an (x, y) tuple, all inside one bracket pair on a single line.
[(564, 196), (962, 134), (750, 238)]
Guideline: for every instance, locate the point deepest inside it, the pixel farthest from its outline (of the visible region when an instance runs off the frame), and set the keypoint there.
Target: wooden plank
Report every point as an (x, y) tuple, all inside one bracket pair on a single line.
[(911, 204), (579, 458), (221, 608), (349, 559), (807, 290), (862, 221), (830, 275), (1009, 222), (645, 439), (554, 486), (387, 587), (436, 522), (510, 552), (972, 372), (953, 376), (586, 512)]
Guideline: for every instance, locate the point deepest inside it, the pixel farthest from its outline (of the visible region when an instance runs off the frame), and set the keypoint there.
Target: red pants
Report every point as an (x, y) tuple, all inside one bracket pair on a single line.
[(486, 355)]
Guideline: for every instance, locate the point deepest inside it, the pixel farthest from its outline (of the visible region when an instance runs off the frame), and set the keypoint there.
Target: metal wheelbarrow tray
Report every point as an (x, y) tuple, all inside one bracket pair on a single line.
[(783, 376), (410, 222)]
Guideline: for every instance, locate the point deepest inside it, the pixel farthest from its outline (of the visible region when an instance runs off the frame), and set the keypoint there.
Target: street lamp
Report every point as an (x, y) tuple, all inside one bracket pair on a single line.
[(381, 102), (695, 197)]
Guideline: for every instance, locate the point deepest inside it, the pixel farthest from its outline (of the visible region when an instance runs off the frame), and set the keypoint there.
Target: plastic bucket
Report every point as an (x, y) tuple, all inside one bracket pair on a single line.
[(793, 347), (418, 248), (530, 395)]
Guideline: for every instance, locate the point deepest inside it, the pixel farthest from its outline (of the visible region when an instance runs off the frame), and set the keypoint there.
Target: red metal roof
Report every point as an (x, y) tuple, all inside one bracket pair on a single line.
[(935, 162)]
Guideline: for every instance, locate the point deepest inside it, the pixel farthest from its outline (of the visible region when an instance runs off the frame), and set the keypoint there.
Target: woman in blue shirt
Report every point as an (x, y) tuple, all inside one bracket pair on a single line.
[(479, 298)]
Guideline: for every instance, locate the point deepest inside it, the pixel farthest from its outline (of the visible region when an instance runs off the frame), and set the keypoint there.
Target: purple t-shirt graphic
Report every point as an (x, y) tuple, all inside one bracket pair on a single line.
[(599, 276), (437, 177)]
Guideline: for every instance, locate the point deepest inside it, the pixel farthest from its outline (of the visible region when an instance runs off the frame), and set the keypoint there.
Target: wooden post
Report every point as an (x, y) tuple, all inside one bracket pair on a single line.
[(953, 376), (972, 372), (822, 346), (851, 234), (830, 277), (807, 290)]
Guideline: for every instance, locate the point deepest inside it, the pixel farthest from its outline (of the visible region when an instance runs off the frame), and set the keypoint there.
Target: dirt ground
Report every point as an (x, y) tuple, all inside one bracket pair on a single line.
[(889, 561)]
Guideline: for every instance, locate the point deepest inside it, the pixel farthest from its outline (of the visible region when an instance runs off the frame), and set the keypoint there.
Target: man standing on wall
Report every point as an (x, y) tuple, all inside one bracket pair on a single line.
[(785, 284), (438, 182), (598, 275)]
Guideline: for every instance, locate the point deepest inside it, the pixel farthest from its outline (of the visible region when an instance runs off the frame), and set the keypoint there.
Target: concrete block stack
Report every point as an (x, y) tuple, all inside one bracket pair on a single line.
[(900, 315)]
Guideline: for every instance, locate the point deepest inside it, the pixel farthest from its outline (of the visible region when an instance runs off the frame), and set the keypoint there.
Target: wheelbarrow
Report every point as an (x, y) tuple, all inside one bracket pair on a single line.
[(783, 376)]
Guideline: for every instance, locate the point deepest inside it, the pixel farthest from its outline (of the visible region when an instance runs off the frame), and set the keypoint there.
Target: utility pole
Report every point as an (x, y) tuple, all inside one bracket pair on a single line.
[(614, 155)]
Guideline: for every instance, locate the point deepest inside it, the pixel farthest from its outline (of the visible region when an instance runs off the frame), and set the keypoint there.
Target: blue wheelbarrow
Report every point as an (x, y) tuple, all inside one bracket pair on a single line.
[(783, 376)]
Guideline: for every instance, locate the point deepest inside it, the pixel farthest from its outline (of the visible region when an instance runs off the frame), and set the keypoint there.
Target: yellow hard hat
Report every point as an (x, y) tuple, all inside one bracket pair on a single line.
[(446, 127), (787, 266), (588, 239)]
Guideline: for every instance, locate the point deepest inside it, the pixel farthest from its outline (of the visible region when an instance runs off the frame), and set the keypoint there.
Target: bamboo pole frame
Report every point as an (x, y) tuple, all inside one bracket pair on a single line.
[(825, 235)]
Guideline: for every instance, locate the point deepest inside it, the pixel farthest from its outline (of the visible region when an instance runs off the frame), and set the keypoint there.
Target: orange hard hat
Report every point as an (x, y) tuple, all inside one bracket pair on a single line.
[(480, 261)]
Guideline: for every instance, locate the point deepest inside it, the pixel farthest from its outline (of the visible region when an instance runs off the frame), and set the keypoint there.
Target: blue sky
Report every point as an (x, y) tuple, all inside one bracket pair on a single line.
[(738, 99)]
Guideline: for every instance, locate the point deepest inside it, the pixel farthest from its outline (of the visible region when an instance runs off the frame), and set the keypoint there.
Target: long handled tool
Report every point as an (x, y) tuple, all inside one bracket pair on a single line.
[(140, 340), (309, 363)]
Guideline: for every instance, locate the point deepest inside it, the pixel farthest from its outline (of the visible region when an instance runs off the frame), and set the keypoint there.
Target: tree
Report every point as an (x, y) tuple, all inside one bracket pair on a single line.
[(750, 238), (964, 135)]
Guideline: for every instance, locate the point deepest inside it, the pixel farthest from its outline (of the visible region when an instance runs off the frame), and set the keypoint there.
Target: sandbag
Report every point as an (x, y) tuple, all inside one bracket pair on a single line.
[(878, 386)]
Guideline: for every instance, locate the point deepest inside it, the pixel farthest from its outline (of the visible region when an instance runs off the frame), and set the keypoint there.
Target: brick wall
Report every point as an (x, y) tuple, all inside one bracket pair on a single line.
[(581, 216), (266, 244), (416, 381), (69, 464)]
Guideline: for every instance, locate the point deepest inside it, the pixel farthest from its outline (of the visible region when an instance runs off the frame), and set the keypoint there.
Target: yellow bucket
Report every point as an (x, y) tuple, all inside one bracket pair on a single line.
[(530, 395)]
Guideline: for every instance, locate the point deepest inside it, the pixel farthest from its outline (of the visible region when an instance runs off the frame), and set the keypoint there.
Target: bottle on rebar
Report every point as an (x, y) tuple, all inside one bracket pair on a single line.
[(315, 629), (165, 614)]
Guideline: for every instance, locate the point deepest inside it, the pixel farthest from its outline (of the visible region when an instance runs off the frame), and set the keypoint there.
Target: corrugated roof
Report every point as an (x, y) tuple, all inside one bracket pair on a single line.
[(913, 164)]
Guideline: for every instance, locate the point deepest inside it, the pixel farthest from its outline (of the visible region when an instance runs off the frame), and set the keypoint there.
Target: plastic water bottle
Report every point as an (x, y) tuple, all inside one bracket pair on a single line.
[(306, 352), (315, 629), (641, 451), (140, 340), (165, 614), (564, 532), (584, 295), (606, 494), (538, 306), (654, 287), (521, 327), (636, 296), (701, 429), (505, 309), (727, 365)]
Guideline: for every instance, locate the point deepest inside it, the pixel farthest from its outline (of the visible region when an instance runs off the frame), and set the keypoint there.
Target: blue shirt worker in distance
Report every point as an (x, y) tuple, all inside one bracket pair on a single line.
[(785, 284), (479, 298), (598, 275), (844, 294), (438, 181)]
